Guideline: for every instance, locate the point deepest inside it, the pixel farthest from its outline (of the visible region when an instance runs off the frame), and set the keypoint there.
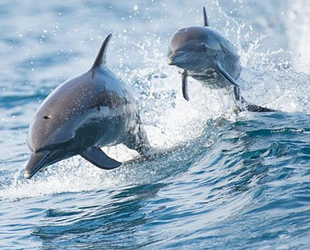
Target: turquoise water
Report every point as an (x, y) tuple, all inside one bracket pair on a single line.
[(226, 182)]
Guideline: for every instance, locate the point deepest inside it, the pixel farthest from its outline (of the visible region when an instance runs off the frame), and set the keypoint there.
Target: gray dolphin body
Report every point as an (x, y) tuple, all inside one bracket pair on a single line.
[(89, 111), (210, 58)]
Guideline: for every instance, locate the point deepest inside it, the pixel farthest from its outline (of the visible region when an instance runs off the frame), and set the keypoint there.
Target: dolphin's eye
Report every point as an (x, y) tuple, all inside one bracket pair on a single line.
[(204, 47), (47, 117)]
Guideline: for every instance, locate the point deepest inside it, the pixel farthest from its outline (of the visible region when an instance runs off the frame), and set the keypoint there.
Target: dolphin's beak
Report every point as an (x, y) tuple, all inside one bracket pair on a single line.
[(177, 57), (170, 60), (36, 162)]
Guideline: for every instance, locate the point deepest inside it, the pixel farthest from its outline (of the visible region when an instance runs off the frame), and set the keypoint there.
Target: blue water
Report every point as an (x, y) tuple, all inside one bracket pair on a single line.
[(226, 182)]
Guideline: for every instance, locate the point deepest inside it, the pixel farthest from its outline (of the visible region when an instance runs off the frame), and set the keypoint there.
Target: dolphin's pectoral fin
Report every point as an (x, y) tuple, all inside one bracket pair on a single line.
[(220, 70), (184, 86), (97, 157)]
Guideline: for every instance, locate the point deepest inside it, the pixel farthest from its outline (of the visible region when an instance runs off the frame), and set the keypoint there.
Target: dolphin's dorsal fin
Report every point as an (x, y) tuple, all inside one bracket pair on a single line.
[(205, 17), (101, 57)]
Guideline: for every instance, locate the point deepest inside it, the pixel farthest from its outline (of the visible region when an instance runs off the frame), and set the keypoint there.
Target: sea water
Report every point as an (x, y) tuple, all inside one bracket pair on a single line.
[(226, 181)]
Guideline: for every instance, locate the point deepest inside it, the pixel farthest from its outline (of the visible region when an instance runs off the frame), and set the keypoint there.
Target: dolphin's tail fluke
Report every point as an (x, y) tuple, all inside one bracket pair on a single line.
[(247, 106), (254, 108)]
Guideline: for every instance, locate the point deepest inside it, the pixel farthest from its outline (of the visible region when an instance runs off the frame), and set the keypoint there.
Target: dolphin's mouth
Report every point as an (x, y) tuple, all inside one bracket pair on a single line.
[(43, 158), (178, 57), (36, 162)]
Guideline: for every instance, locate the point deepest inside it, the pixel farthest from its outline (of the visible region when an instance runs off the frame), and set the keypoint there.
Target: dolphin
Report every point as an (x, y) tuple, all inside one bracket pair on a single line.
[(207, 56), (84, 113)]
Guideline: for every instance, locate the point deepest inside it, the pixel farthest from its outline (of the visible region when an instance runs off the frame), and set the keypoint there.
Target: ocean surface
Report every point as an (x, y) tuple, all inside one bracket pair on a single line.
[(227, 181)]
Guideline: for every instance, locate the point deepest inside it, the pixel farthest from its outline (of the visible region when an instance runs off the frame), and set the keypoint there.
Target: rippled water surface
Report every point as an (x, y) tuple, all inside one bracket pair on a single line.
[(226, 182)]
